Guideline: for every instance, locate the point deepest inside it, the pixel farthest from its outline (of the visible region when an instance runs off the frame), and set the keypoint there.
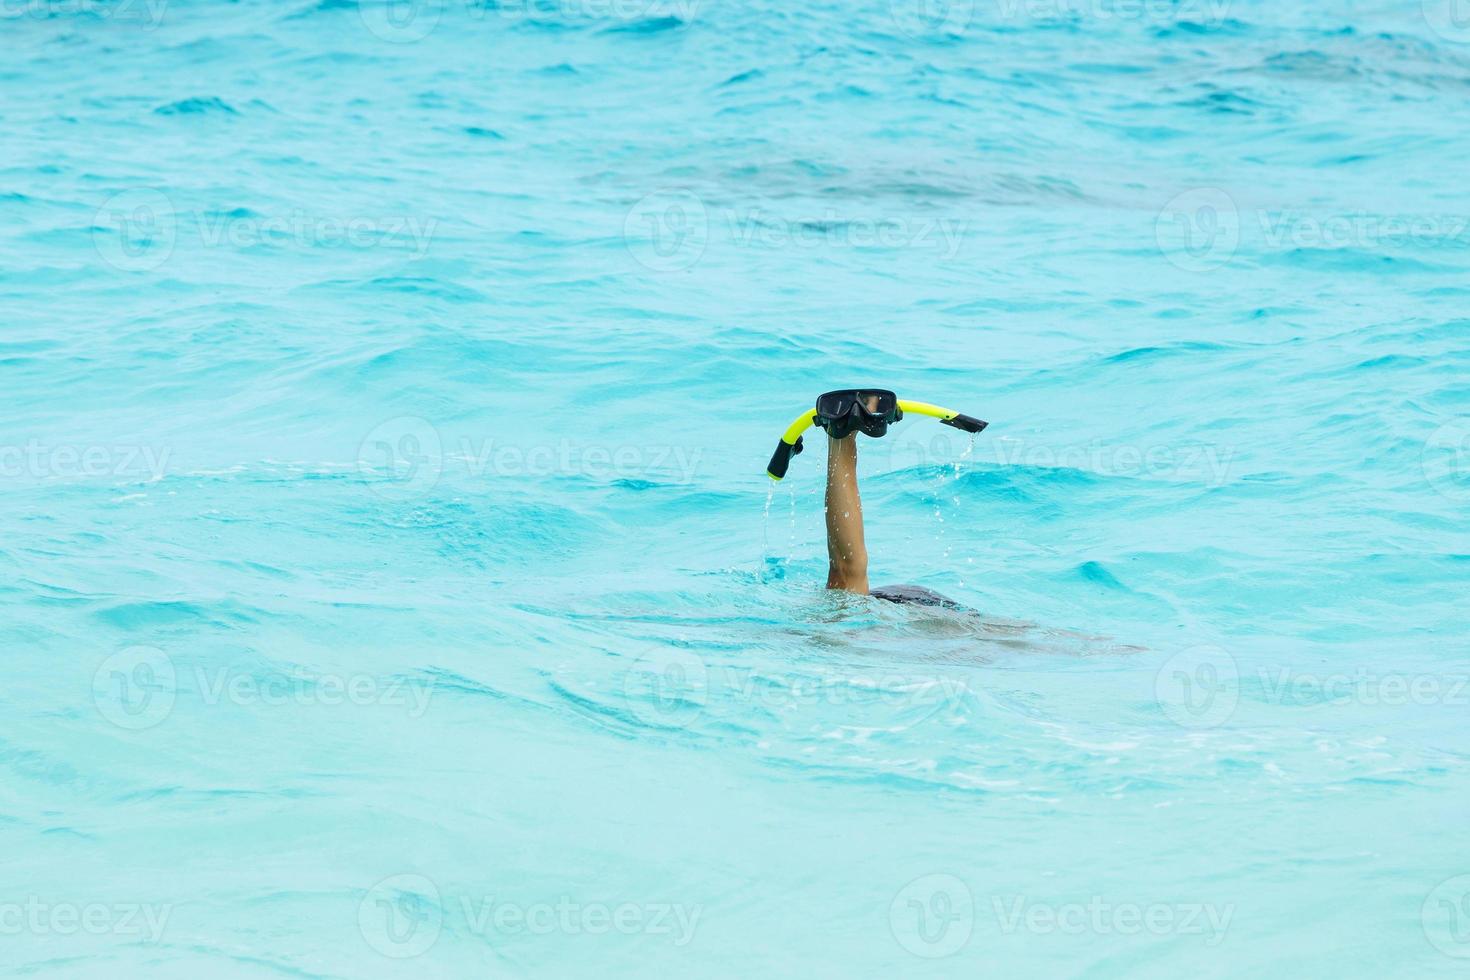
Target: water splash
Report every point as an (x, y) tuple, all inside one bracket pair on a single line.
[(766, 528)]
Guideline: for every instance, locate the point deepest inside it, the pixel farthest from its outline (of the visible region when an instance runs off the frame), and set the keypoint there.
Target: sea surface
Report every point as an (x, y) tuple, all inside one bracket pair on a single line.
[(390, 585)]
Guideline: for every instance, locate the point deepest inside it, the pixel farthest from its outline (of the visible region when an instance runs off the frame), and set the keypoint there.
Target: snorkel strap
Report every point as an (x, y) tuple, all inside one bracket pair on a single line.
[(790, 444), (945, 415)]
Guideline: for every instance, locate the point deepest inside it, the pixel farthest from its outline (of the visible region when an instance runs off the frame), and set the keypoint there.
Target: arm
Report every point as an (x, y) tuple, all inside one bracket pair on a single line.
[(846, 551)]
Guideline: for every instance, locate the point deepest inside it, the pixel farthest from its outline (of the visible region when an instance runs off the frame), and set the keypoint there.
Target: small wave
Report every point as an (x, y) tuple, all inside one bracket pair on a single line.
[(1164, 351), (210, 105), (745, 76), (649, 25), (1228, 26)]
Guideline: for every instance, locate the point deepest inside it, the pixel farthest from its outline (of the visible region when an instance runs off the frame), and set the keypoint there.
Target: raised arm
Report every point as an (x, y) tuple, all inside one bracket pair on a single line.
[(846, 551)]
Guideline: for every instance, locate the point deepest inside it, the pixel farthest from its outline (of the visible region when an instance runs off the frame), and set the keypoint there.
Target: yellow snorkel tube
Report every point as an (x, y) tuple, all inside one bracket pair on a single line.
[(791, 441)]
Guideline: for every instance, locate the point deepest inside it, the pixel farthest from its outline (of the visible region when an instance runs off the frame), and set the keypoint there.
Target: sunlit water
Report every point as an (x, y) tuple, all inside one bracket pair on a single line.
[(391, 583)]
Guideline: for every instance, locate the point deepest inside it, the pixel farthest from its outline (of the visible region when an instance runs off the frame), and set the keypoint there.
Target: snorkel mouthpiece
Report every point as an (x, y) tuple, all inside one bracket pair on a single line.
[(966, 423), (866, 410), (781, 458)]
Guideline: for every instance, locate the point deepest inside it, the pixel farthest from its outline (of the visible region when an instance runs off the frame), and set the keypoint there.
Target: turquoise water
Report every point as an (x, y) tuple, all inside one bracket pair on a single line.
[(392, 587)]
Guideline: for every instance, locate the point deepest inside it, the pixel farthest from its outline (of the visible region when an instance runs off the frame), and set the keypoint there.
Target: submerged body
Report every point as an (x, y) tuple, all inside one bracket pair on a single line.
[(847, 549), (915, 594)]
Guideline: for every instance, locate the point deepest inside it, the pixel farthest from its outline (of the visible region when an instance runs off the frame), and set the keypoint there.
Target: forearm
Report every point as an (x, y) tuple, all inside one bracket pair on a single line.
[(846, 550)]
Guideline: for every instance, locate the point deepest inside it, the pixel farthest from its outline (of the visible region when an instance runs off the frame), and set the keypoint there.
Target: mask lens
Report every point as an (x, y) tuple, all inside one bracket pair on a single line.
[(878, 403), (836, 404), (882, 402)]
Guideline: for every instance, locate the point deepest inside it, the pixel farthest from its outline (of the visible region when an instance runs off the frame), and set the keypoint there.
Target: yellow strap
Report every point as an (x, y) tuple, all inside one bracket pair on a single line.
[(806, 420), (924, 408), (795, 429)]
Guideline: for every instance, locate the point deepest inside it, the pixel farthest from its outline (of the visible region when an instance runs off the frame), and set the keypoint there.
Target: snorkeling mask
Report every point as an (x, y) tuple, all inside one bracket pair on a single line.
[(844, 412), (847, 411)]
